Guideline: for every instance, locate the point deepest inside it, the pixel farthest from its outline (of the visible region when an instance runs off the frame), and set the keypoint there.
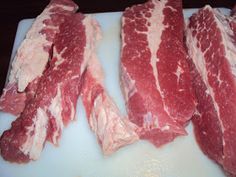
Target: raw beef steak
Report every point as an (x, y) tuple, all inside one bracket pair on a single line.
[(111, 128), (154, 72), (55, 100), (33, 55), (211, 46)]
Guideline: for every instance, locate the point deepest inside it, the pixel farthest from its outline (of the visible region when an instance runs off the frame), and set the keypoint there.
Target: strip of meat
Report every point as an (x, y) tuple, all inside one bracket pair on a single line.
[(211, 46), (154, 72), (54, 104), (33, 55), (111, 128)]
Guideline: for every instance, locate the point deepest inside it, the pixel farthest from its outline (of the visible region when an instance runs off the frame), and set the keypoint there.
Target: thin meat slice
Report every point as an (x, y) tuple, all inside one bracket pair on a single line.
[(211, 46), (54, 104), (33, 55), (155, 76), (111, 128)]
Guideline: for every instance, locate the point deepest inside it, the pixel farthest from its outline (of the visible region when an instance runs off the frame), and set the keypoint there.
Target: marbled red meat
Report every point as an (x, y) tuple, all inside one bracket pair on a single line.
[(113, 130), (33, 55), (53, 105), (211, 45), (154, 72)]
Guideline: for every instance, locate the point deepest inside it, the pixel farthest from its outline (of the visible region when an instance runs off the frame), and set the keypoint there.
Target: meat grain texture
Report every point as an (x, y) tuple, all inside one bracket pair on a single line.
[(210, 38), (53, 106), (33, 55), (155, 76), (113, 130)]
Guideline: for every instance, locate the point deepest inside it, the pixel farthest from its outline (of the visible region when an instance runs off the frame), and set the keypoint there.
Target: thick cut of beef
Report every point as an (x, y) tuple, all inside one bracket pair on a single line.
[(111, 128), (211, 46), (154, 72), (55, 100), (33, 55)]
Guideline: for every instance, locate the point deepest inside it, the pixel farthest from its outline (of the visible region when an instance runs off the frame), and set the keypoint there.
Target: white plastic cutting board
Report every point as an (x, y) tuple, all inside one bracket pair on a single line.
[(79, 154)]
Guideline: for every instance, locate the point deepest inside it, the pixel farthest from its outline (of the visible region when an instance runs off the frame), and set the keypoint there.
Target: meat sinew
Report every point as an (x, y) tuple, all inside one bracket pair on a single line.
[(33, 55), (154, 72), (111, 128), (55, 100), (211, 45)]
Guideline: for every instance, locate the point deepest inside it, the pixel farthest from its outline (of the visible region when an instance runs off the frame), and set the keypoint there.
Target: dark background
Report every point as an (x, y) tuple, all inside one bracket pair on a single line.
[(12, 11)]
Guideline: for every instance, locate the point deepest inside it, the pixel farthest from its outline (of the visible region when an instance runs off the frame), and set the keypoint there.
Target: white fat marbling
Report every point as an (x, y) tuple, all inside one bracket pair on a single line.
[(227, 38), (154, 36), (67, 8), (31, 58), (127, 84), (198, 59), (55, 109), (59, 57), (36, 135), (93, 35), (72, 113), (110, 127), (178, 72)]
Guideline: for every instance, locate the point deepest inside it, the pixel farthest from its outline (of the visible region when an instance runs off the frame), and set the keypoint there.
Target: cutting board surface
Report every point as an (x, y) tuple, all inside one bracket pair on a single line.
[(79, 154)]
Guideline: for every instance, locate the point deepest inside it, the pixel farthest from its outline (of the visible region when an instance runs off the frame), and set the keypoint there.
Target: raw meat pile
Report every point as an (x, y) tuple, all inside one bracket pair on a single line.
[(53, 105), (170, 73), (48, 103)]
